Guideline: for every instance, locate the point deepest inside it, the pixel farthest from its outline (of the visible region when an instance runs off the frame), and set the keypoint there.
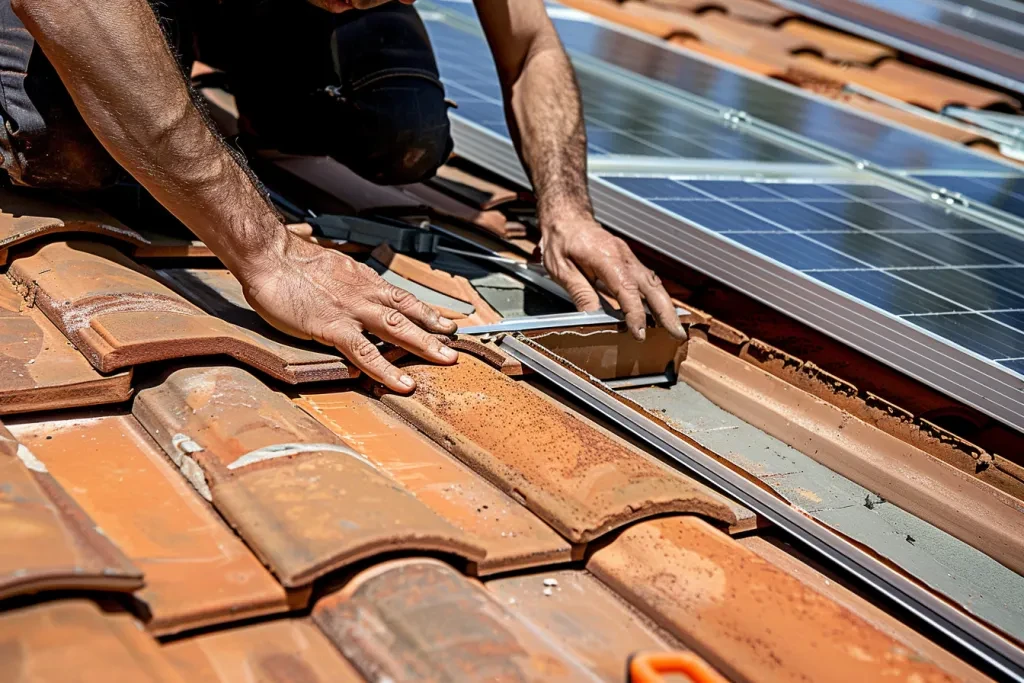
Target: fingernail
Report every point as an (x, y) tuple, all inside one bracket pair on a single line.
[(445, 322), (449, 353), (406, 381), (641, 334)]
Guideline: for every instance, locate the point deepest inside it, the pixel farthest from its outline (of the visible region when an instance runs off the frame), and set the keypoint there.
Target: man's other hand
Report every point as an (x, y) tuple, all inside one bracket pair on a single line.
[(311, 292), (579, 252)]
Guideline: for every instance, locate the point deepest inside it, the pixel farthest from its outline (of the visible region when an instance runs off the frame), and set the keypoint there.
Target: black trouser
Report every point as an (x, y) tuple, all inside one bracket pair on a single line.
[(361, 86)]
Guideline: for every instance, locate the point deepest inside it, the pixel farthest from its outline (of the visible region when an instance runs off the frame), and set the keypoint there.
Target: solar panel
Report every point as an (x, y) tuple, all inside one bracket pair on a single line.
[(621, 119), (1005, 193), (932, 292)]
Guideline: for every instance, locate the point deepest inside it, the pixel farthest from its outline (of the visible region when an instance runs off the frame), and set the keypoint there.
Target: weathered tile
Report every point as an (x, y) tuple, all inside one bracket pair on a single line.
[(46, 541), (612, 354), (73, 641), (40, 369), (747, 618), (304, 501), (566, 471), (471, 189), (25, 215), (581, 616), (290, 650), (513, 537), (420, 620), (197, 571), (118, 315)]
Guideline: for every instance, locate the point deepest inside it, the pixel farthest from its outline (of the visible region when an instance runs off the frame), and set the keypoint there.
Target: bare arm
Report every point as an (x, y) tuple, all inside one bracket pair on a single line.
[(113, 59), (545, 118)]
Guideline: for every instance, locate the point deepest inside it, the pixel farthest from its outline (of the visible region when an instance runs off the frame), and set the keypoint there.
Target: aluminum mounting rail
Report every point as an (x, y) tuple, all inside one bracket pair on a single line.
[(967, 638)]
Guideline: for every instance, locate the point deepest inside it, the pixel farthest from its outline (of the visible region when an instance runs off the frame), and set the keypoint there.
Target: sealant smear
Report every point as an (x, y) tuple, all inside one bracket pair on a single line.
[(287, 449), (30, 459), (79, 314)]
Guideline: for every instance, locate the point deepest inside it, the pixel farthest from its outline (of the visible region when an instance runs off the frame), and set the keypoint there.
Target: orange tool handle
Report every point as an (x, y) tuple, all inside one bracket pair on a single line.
[(647, 667)]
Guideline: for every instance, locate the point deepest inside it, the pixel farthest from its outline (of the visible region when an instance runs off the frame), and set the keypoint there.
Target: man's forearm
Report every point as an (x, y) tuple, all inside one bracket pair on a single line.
[(114, 61), (546, 120)]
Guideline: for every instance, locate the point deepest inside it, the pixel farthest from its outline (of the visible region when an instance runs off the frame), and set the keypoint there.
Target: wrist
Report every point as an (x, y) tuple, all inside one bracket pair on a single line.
[(258, 250)]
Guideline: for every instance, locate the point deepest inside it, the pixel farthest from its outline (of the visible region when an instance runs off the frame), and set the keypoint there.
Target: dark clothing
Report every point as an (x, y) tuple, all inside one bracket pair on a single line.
[(361, 86)]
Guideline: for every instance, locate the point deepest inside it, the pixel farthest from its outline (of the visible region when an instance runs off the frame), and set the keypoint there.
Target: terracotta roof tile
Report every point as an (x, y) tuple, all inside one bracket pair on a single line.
[(611, 353), (513, 537), (656, 22), (955, 501), (285, 650), (417, 620), (747, 10), (473, 190), (73, 640), (720, 599), (118, 315), (305, 502), (490, 221), (770, 64), (581, 616), (46, 541), (835, 45), (359, 194), (570, 474), (40, 369), (197, 571), (24, 217)]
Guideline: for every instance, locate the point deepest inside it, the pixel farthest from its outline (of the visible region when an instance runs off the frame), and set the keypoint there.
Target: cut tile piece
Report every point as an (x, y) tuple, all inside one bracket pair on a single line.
[(895, 629), (471, 189), (750, 620), (578, 614), (198, 573), (420, 620), (118, 315), (570, 474), (25, 215), (40, 369), (73, 641), (305, 502), (612, 354), (957, 502), (290, 650), (46, 541), (514, 538)]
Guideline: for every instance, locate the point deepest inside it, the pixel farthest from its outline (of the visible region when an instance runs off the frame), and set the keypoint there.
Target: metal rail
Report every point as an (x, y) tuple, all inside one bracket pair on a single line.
[(975, 643)]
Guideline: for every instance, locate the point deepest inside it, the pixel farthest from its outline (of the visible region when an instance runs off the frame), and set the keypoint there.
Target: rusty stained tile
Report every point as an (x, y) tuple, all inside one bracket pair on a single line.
[(304, 501), (46, 541), (473, 190), (118, 315), (567, 472), (198, 573), (73, 641), (514, 538), (955, 501), (889, 625), (40, 369), (24, 216), (420, 620), (613, 353), (579, 615), (750, 620), (285, 650)]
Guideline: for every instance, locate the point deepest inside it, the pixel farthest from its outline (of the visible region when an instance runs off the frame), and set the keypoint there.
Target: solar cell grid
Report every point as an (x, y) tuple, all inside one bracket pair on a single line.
[(1006, 193)]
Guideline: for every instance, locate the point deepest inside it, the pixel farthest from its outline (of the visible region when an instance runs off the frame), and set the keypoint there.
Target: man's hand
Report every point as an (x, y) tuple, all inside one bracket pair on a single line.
[(311, 292), (579, 252)]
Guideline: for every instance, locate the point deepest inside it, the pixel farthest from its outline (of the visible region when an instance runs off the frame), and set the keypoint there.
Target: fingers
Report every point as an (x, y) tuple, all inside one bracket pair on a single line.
[(623, 285), (393, 327), (364, 355), (412, 308), (660, 303), (583, 295)]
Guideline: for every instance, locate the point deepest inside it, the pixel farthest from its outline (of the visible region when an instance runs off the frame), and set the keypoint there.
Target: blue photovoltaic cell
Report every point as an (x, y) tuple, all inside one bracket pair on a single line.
[(794, 251), (886, 292), (948, 250), (871, 250), (979, 333), (719, 217), (968, 288), (1001, 193)]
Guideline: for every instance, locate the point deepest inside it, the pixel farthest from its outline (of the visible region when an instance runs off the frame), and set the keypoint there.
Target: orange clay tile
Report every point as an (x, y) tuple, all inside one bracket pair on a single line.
[(889, 625), (420, 620), (660, 23), (471, 189), (46, 541), (579, 615), (750, 620), (197, 571), (359, 194), (513, 537), (24, 217), (943, 130), (953, 500), (835, 45), (73, 640), (447, 206), (747, 10), (304, 501), (287, 650), (573, 476), (611, 353), (454, 286), (40, 369), (161, 246), (767, 64), (118, 315)]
